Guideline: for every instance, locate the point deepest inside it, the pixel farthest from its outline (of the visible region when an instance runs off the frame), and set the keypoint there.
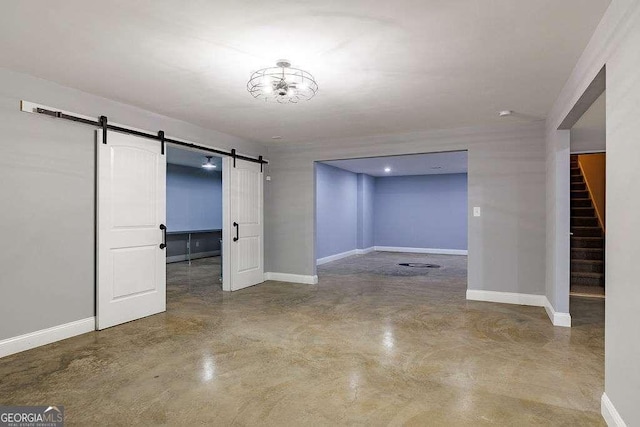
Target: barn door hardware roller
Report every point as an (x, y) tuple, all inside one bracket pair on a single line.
[(103, 124)]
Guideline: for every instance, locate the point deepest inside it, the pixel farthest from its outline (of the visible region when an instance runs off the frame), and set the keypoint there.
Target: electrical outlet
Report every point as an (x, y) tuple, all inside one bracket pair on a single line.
[(197, 244), (476, 211)]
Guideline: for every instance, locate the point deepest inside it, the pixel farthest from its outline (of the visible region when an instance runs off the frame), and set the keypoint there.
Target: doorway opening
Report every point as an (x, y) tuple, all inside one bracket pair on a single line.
[(588, 202), (194, 222), (394, 217), (587, 206)]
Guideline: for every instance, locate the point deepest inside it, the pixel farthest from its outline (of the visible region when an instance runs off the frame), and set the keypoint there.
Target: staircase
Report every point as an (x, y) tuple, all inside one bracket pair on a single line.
[(587, 240)]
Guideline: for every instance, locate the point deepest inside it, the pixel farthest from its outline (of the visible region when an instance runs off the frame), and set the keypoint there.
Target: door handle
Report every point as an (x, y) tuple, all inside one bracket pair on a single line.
[(237, 226), (164, 236)]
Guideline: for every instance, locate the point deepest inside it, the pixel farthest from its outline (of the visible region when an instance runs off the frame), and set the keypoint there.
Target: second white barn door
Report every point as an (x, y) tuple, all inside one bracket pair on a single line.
[(131, 261), (246, 231)]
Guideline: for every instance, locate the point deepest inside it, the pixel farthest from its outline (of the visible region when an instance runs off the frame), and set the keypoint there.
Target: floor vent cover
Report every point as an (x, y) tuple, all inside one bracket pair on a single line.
[(418, 265)]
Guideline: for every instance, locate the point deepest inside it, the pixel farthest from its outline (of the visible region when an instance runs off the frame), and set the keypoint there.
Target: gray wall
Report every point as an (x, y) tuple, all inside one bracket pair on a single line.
[(506, 178), (47, 193), (366, 187), (337, 210), (421, 211), (614, 44)]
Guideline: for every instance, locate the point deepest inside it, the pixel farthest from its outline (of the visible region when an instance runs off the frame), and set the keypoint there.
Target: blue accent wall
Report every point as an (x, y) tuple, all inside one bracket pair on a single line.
[(423, 211), (194, 198), (336, 210)]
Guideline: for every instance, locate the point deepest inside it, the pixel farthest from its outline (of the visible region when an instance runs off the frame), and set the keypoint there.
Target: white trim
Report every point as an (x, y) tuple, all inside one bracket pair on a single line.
[(506, 297), (46, 336), (365, 250), (292, 278), (421, 250), (609, 413), (226, 222), (558, 319), (196, 255), (336, 257)]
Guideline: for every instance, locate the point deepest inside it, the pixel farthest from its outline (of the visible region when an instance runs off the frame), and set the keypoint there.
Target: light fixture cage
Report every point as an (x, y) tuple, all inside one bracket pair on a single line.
[(282, 84)]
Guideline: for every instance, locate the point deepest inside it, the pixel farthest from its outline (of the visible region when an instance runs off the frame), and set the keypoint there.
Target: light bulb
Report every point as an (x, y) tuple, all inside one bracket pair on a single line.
[(387, 169), (208, 164), (267, 87)]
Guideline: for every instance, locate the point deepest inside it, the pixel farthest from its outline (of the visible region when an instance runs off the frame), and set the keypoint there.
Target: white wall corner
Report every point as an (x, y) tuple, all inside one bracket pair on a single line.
[(336, 257), (46, 336), (506, 297), (558, 319), (434, 251), (291, 278), (610, 414), (365, 250)]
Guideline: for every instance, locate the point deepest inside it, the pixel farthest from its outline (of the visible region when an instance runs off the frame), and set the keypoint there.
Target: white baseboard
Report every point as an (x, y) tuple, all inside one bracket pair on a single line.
[(197, 255), (346, 254), (506, 297), (336, 257), (609, 413), (293, 278), (46, 336), (365, 250), (558, 319), (421, 250)]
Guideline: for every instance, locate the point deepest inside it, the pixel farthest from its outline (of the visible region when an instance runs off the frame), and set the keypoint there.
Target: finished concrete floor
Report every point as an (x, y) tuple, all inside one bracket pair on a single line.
[(372, 344)]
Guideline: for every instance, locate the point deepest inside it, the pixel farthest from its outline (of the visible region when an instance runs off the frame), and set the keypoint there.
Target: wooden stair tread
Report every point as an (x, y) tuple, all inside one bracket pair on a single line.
[(587, 249), (588, 261), (587, 274)]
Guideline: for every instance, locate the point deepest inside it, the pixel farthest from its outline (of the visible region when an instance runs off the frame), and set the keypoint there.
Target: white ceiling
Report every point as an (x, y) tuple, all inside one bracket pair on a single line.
[(382, 66), (416, 164), (179, 156)]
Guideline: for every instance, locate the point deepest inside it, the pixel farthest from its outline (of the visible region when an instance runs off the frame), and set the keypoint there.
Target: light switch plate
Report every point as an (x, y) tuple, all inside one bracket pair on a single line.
[(476, 211)]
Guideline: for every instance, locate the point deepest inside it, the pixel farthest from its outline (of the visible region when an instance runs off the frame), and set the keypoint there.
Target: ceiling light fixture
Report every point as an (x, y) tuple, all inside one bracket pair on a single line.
[(387, 169), (208, 164), (505, 113), (282, 84)]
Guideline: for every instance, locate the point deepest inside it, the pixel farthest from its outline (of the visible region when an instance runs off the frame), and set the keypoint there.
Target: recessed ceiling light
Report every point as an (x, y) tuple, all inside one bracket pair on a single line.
[(276, 137), (387, 169), (505, 113)]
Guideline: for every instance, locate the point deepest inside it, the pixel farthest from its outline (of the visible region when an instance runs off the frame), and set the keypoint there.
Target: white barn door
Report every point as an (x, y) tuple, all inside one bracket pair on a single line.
[(245, 225), (131, 213)]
